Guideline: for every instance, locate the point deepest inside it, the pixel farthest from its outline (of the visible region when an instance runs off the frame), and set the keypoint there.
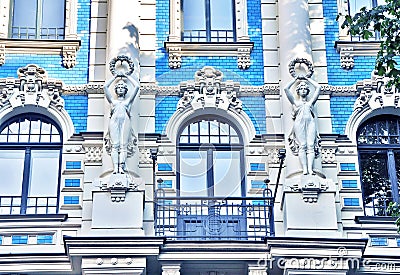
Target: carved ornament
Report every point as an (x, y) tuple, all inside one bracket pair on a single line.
[(69, 56), (310, 186), (208, 90), (347, 58), (2, 54), (31, 88)]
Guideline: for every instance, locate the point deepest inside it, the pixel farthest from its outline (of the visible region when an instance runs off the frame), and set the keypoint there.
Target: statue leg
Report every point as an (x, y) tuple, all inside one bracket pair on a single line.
[(311, 133), (114, 130), (303, 158), (124, 140), (300, 133), (115, 157)]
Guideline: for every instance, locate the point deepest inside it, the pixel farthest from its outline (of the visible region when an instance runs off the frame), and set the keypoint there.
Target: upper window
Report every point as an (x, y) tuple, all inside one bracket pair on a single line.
[(210, 160), (37, 19), (30, 155), (208, 21), (379, 156)]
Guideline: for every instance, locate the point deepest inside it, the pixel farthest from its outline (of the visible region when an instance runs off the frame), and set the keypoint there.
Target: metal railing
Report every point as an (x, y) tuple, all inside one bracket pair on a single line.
[(214, 218), (33, 33), (376, 205), (208, 36), (16, 205)]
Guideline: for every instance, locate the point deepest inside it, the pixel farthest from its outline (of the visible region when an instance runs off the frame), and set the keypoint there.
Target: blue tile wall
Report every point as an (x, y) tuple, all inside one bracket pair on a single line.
[(351, 202), (364, 65), (73, 165), (228, 65), (258, 184), (254, 107), (77, 106), (257, 166), (349, 184), (341, 110), (348, 166), (165, 184), (71, 200), (53, 63), (72, 183), (379, 241), (165, 107), (164, 167)]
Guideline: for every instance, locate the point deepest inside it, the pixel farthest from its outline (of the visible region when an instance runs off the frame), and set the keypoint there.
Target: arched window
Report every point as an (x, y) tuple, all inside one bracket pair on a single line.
[(210, 160), (379, 156), (30, 157)]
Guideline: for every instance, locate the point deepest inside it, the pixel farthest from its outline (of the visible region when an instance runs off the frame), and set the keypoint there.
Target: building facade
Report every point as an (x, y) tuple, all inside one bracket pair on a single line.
[(260, 140)]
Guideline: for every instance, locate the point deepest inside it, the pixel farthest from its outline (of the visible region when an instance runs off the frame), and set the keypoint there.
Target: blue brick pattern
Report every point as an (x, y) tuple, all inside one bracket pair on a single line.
[(165, 107), (53, 63), (19, 239), (76, 106), (44, 239), (349, 184), (1, 240), (398, 242), (73, 165), (348, 166), (257, 166), (165, 184), (379, 242), (341, 110), (258, 184), (254, 107), (164, 167), (71, 200), (227, 65), (258, 202), (351, 202), (72, 183), (364, 65)]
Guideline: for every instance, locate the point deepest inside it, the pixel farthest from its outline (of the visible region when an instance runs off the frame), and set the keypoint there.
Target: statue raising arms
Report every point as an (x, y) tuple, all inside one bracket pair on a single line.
[(305, 132), (120, 128)]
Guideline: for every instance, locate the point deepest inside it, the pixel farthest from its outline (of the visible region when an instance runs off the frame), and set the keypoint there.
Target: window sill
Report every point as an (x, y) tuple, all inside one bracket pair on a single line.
[(66, 48), (375, 220), (349, 49), (176, 50), (34, 218)]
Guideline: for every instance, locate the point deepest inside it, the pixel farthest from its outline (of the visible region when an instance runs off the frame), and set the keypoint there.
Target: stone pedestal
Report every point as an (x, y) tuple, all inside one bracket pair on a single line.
[(309, 207), (114, 265)]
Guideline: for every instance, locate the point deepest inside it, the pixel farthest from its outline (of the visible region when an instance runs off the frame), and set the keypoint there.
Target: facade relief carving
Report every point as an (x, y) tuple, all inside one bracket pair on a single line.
[(208, 90), (32, 87)]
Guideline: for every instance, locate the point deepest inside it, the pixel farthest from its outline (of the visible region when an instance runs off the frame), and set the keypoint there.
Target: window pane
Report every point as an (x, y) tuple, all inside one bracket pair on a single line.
[(193, 173), (11, 171), (221, 14), (227, 181), (194, 15), (24, 13), (375, 180), (53, 13), (44, 173), (356, 5)]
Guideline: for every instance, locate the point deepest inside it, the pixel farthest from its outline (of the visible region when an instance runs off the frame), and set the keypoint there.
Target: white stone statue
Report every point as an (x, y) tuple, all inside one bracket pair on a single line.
[(120, 128), (304, 138)]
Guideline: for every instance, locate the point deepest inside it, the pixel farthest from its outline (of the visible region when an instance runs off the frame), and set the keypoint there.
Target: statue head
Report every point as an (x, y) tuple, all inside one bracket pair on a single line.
[(121, 88), (303, 89)]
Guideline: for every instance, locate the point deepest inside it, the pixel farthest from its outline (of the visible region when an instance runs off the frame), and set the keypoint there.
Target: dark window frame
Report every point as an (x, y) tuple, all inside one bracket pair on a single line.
[(28, 147), (387, 150)]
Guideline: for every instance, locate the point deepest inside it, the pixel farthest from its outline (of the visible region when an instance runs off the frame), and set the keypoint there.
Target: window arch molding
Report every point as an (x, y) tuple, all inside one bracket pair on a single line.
[(239, 120), (60, 117)]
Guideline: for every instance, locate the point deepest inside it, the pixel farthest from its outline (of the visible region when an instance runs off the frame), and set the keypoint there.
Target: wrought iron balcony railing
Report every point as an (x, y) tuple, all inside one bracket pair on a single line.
[(33, 33), (214, 218), (208, 36), (376, 205), (16, 205)]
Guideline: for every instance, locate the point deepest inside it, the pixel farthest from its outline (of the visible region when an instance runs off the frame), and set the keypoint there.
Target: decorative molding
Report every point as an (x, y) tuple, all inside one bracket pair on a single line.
[(2, 54), (177, 49), (93, 153), (144, 156), (208, 90), (31, 88), (328, 155), (69, 56), (346, 58), (118, 184), (175, 57), (243, 58), (310, 186), (53, 47), (339, 90)]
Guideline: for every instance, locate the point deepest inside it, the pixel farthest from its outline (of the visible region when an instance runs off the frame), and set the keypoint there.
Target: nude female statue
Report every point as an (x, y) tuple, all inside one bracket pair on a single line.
[(304, 133), (120, 128)]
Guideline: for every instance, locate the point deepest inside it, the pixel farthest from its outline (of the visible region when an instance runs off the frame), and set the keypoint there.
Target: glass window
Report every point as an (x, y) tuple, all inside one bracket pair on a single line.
[(210, 160), (379, 158), (208, 21), (38, 19), (30, 152)]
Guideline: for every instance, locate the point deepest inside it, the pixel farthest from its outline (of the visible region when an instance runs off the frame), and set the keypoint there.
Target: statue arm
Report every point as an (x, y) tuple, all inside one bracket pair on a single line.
[(287, 89), (107, 91), (132, 93), (317, 90)]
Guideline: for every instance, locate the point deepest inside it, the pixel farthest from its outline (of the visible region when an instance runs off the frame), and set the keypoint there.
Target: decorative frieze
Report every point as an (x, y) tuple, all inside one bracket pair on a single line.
[(93, 153), (310, 186)]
